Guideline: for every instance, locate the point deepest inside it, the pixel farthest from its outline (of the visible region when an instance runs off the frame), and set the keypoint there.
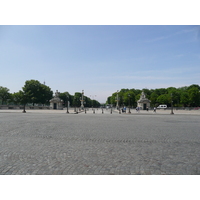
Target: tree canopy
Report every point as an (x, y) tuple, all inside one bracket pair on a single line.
[(4, 94), (181, 97), (37, 92), (75, 100)]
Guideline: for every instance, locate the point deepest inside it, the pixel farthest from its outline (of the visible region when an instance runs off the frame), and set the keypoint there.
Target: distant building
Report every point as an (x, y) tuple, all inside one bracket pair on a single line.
[(143, 102), (56, 102)]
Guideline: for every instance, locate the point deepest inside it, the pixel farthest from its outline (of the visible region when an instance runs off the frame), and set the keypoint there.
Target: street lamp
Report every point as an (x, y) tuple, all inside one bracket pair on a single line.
[(117, 99), (82, 100), (171, 105), (75, 102), (93, 102), (129, 103), (67, 102)]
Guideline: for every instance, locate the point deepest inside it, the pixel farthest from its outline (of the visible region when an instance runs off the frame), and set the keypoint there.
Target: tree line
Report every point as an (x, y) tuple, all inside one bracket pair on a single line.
[(74, 100), (35, 92), (188, 96)]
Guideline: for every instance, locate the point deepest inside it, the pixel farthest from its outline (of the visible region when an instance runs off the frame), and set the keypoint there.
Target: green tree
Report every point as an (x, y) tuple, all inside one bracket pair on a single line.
[(175, 95), (32, 91), (76, 99), (20, 98), (194, 86), (160, 91), (87, 102), (147, 92), (45, 94), (163, 99), (194, 96), (138, 97), (129, 96), (113, 99), (37, 92), (184, 98), (108, 100), (4, 94), (153, 98), (65, 96)]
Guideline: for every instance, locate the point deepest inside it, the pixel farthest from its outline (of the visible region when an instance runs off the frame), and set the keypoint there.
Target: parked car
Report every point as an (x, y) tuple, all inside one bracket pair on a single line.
[(162, 106)]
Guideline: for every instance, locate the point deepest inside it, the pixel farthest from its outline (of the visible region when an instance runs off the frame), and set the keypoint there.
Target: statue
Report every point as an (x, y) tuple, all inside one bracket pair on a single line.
[(56, 93)]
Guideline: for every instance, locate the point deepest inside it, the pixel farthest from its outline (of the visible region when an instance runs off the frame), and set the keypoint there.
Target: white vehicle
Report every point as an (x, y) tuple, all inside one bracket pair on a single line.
[(162, 106), (108, 106)]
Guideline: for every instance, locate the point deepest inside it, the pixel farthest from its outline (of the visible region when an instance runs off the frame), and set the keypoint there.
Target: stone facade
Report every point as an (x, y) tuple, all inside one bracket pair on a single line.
[(56, 103), (143, 103)]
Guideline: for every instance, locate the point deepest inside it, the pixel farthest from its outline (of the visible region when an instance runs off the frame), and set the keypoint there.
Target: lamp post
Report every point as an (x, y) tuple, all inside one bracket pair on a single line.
[(24, 102), (82, 100), (67, 102), (117, 99), (171, 105), (93, 102), (75, 99), (129, 104)]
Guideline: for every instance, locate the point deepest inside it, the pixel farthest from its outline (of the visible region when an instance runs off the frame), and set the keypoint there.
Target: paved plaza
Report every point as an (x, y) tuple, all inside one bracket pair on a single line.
[(52, 142)]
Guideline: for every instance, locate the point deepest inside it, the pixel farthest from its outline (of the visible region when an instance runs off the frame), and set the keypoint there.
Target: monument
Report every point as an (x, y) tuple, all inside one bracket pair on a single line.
[(56, 103), (143, 103)]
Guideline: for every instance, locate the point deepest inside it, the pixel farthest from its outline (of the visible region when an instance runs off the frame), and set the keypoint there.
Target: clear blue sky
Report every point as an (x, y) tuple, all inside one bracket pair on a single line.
[(99, 59)]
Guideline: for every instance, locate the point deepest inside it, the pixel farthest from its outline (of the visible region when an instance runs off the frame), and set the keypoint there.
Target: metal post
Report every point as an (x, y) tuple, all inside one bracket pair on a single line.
[(117, 100), (129, 103), (171, 105), (67, 103), (82, 106)]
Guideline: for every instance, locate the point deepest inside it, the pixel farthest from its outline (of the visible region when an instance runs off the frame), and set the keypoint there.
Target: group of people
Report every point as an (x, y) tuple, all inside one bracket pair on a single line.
[(124, 109)]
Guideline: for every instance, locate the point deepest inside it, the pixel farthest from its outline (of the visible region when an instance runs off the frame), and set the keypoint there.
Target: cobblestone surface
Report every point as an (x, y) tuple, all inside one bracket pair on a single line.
[(46, 142)]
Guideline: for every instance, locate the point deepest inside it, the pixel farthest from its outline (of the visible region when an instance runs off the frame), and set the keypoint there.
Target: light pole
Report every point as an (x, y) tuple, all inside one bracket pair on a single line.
[(171, 105), (92, 96), (81, 99), (117, 104), (129, 104), (75, 102), (67, 102), (117, 100), (24, 102)]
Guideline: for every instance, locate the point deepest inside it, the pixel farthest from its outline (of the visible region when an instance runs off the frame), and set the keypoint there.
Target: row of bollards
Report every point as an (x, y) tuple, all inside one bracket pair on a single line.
[(85, 110)]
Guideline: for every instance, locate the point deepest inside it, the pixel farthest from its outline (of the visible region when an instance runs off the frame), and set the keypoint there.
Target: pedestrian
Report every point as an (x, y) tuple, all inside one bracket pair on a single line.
[(147, 109), (154, 109), (124, 109)]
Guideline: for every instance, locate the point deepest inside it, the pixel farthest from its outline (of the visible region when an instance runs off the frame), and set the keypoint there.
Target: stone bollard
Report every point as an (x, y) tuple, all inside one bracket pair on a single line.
[(102, 111)]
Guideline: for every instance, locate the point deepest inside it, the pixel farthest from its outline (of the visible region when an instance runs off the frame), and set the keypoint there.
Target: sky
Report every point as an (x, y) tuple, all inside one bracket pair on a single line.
[(99, 59)]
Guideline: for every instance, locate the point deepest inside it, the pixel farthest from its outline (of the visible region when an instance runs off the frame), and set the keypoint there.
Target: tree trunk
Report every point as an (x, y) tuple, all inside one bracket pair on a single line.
[(24, 111)]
